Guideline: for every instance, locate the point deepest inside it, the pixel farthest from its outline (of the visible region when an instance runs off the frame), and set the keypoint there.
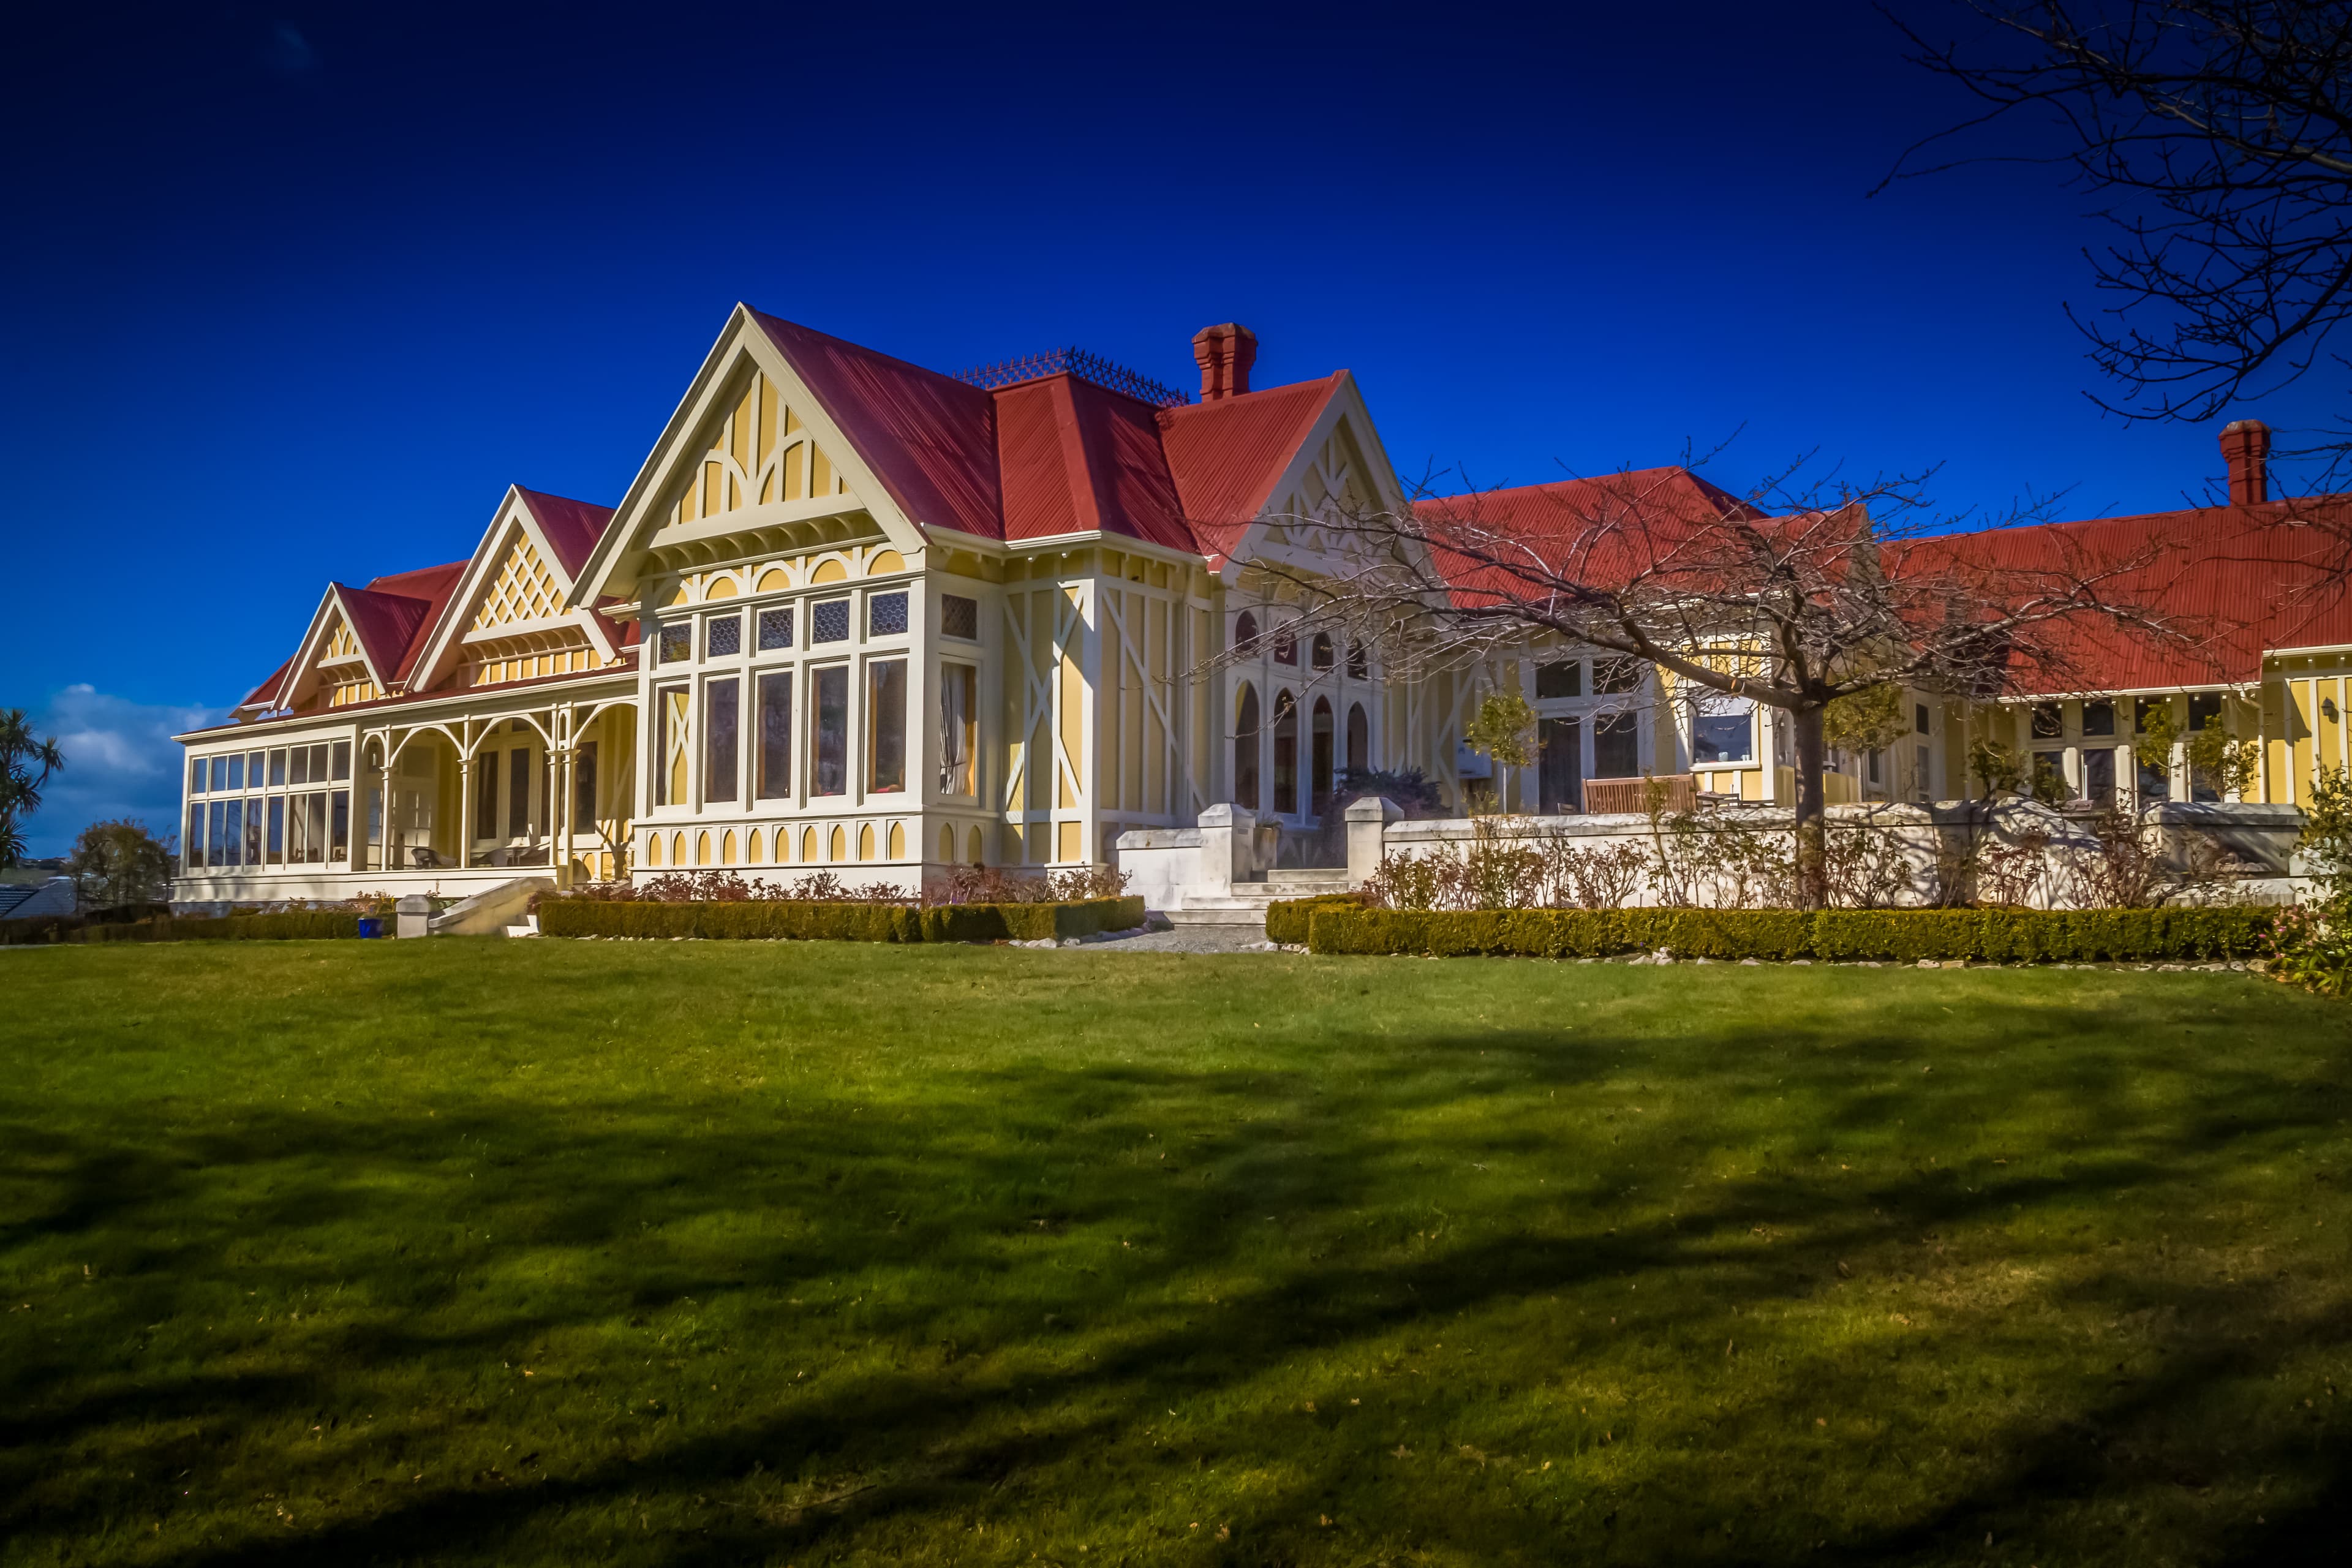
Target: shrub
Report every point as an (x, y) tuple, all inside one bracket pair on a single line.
[(1903, 936), (772, 919), (1286, 919), (291, 925)]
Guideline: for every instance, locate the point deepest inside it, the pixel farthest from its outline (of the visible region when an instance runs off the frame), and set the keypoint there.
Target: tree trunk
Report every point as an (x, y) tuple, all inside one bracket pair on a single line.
[(1812, 832)]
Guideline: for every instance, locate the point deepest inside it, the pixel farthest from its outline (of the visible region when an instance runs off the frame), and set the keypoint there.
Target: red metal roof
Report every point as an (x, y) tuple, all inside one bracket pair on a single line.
[(1225, 457), (2236, 581), (928, 437), (1076, 457), (573, 527)]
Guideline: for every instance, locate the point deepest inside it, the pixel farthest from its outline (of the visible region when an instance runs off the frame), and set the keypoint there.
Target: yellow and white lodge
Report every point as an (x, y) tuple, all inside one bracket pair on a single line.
[(860, 617)]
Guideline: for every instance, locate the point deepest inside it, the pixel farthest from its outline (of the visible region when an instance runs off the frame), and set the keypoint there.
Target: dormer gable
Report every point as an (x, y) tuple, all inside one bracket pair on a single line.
[(509, 617)]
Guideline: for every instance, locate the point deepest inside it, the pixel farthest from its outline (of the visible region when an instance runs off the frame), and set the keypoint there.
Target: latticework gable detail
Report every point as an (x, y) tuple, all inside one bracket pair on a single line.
[(760, 453), (524, 590)]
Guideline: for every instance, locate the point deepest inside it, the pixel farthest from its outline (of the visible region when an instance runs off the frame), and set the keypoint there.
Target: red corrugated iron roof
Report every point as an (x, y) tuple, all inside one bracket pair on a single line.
[(1602, 531), (928, 437), (267, 692), (573, 527), (1224, 457), (1076, 456), (2235, 580)]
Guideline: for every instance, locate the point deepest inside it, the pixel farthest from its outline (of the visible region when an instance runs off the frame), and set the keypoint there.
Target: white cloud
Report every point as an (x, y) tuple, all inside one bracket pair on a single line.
[(120, 759)]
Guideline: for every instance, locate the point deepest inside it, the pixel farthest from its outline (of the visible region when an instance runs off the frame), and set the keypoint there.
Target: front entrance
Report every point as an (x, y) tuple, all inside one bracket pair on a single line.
[(1559, 780)]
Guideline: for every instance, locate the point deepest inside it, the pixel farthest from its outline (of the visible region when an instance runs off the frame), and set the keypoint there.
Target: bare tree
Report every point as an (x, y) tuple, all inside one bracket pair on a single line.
[(2217, 137), (1797, 601)]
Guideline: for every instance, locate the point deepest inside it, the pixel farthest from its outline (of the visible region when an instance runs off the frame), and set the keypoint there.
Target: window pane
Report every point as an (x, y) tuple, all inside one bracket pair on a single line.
[(723, 637), (339, 825), (317, 814), (886, 725), (192, 846), (2204, 707), (253, 833), (341, 768), (233, 834), (1726, 738), (776, 736), (486, 795), (832, 747), (300, 772), (278, 830), (719, 700), (278, 767), (2099, 775), (1565, 678), (1919, 717), (253, 770), (583, 788), (237, 773), (319, 763), (1615, 675), (958, 738), (2098, 718), (776, 629), (959, 616), (2049, 723), (1616, 745), (677, 643), (517, 793), (1285, 749), (1320, 655), (2141, 708), (886, 615), (220, 773), (670, 770), (829, 622), (1245, 744), (216, 845), (195, 780), (2049, 774)]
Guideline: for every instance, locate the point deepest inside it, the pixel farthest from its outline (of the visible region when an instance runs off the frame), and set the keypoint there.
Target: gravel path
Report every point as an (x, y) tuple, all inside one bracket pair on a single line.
[(1186, 939)]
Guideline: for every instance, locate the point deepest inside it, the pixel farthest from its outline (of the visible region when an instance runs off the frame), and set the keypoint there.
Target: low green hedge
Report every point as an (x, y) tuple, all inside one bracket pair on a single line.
[(288, 926), (1286, 919), (1902, 936), (781, 919)]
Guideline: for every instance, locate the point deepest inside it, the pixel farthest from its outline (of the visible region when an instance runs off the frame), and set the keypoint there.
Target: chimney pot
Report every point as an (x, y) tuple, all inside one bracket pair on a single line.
[(2246, 448), (1226, 354)]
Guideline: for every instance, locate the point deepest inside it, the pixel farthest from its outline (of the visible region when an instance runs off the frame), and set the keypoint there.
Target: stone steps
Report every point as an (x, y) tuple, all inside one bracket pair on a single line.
[(1246, 905)]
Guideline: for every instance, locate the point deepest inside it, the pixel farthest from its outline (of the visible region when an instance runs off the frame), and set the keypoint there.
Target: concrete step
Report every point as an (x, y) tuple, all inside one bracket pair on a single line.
[(1301, 884), (531, 929), (1249, 915)]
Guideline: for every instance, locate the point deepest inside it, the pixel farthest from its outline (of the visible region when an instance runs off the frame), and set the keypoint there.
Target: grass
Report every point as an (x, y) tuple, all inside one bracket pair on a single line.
[(469, 1252)]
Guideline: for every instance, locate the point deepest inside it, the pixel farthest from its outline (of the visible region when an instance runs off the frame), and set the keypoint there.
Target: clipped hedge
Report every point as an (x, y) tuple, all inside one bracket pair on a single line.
[(292, 925), (1902, 936), (1286, 919), (794, 920)]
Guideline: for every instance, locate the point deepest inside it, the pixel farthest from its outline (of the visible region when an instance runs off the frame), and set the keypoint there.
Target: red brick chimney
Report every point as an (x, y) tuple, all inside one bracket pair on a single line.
[(1227, 353), (2246, 448)]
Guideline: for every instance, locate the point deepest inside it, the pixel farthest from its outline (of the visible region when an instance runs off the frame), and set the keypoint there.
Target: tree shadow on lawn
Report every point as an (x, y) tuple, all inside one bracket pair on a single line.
[(1043, 1285)]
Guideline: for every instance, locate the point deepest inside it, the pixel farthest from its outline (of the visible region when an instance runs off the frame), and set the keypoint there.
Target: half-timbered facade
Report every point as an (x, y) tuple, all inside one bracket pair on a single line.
[(860, 617)]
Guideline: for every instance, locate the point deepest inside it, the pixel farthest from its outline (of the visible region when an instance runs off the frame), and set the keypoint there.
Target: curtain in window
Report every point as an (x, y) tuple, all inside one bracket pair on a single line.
[(956, 728), (886, 725)]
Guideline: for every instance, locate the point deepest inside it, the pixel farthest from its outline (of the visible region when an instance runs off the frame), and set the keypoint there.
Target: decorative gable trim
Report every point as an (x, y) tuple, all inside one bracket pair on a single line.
[(1281, 532), (711, 450), (514, 590)]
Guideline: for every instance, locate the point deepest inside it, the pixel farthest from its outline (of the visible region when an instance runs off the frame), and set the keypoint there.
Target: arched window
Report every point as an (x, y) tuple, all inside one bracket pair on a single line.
[(1357, 666), (1359, 739), (1246, 633), (1246, 746), (1321, 654), (1319, 753), (1285, 752), (1285, 645)]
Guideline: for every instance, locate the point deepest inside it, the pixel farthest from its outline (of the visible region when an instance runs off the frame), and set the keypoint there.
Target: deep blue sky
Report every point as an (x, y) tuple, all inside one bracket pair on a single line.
[(293, 292)]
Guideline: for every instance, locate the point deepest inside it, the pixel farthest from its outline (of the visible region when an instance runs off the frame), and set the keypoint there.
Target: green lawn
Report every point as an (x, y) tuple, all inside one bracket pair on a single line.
[(566, 1253)]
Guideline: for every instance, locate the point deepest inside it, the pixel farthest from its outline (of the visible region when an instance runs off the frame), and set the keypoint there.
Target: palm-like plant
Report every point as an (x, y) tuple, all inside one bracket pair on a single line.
[(20, 787)]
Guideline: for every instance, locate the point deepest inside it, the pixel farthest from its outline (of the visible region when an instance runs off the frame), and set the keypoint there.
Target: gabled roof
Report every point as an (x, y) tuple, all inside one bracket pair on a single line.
[(571, 527), (1603, 530), (1227, 457), (928, 437), (2237, 581)]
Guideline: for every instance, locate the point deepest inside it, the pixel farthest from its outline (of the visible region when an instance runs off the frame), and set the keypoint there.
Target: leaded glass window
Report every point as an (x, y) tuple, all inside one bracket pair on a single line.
[(776, 629), (829, 622), (723, 637), (959, 616), (677, 643), (886, 616)]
